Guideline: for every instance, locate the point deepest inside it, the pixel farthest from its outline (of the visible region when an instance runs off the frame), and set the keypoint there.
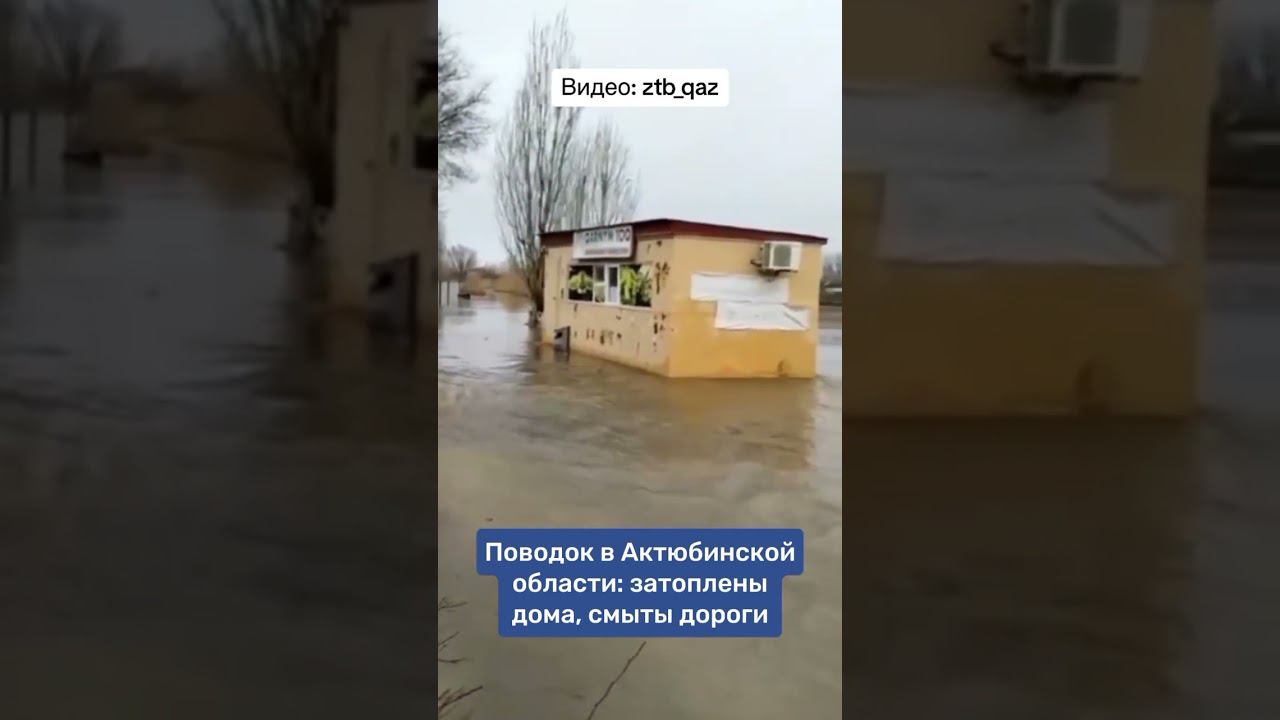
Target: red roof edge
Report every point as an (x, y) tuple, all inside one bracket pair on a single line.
[(670, 226)]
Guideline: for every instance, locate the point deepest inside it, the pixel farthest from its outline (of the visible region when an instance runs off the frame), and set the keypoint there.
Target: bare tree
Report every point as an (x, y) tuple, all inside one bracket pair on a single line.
[(79, 41), (549, 176), (604, 189), (287, 49), (534, 171), (462, 124), (14, 21), (13, 18), (459, 261), (833, 270)]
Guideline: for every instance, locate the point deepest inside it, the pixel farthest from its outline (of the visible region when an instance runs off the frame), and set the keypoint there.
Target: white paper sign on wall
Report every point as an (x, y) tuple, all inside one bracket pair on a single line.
[(603, 243), (986, 220), (721, 287), (761, 316)]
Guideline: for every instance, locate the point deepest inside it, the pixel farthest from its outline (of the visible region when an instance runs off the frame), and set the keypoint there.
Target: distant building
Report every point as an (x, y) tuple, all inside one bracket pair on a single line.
[(1246, 148), (685, 299), (382, 249), (1024, 205)]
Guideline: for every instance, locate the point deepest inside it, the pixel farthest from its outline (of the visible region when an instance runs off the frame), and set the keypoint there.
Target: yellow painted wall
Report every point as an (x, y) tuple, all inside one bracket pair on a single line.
[(386, 208), (677, 336), (639, 337), (974, 340), (699, 349)]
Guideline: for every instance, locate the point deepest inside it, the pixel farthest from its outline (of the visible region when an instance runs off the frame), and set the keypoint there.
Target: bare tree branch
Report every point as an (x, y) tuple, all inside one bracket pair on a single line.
[(460, 114), (534, 168), (447, 699), (287, 50), (605, 190), (833, 270), (16, 65), (547, 176), (459, 261), (80, 42)]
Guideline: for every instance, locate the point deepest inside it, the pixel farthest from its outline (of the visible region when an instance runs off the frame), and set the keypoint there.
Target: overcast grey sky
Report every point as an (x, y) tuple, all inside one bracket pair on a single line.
[(771, 159)]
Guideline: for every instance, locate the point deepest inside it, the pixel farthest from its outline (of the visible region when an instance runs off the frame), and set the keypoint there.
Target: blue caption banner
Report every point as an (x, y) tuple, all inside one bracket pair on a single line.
[(640, 582)]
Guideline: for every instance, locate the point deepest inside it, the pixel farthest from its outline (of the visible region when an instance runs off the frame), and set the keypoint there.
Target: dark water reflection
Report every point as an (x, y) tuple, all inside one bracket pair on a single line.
[(1119, 569), (212, 506), (1015, 570), (208, 509)]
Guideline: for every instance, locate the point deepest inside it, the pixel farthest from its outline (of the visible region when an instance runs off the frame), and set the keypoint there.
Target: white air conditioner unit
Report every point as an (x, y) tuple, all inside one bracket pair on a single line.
[(777, 256), (1088, 38)]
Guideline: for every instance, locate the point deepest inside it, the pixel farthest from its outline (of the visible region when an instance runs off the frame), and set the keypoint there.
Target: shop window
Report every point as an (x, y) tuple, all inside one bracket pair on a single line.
[(581, 282), (612, 284), (424, 115), (636, 285), (613, 294), (598, 289)]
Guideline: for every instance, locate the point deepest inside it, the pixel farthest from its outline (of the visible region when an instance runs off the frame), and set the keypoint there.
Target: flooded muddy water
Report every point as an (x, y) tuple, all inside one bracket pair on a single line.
[(1069, 569), (207, 508), (994, 569), (529, 438), (213, 505)]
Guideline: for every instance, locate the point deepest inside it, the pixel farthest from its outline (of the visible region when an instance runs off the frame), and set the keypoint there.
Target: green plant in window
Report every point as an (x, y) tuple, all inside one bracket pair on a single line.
[(635, 284), (644, 295), (580, 283)]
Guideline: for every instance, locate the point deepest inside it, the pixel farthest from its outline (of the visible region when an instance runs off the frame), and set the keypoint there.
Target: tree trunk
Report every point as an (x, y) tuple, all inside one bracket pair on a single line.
[(536, 306)]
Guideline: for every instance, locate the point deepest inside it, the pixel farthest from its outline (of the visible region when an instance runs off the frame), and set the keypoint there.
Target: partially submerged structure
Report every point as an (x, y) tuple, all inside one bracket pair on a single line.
[(1024, 205), (383, 246), (686, 299)]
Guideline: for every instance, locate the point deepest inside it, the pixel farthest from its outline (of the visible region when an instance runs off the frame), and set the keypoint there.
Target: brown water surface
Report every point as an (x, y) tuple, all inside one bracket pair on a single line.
[(213, 506), (207, 510), (529, 438)]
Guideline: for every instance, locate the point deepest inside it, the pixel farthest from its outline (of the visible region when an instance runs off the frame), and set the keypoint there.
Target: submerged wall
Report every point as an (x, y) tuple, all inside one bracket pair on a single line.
[(386, 207), (704, 349), (1007, 254), (688, 332), (635, 336)]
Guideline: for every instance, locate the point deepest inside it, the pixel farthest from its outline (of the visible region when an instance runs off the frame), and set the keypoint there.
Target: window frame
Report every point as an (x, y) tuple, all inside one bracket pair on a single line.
[(606, 283), (613, 284), (420, 71), (599, 286)]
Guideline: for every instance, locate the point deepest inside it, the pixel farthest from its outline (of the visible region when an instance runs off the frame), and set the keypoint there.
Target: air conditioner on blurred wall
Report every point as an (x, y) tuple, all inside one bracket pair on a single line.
[(1104, 39), (778, 256)]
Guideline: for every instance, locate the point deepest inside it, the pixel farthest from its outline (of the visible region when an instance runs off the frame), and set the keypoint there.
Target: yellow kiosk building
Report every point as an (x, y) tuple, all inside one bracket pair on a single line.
[(686, 299)]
